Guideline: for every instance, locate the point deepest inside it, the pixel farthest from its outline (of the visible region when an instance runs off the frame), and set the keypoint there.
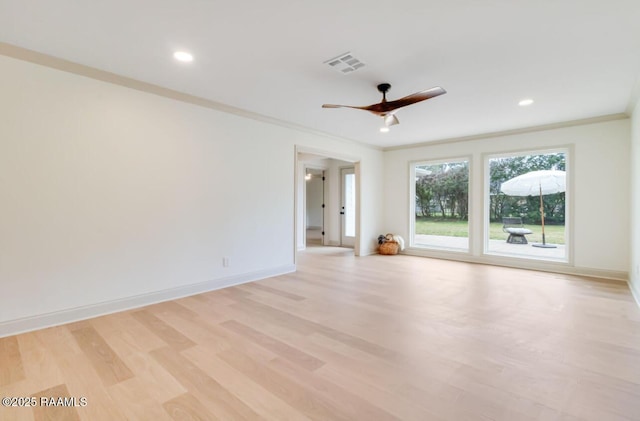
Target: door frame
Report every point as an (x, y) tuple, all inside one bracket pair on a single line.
[(298, 194)]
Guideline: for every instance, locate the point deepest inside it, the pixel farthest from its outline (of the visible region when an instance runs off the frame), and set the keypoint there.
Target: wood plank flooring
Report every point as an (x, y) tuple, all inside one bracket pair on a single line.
[(345, 338)]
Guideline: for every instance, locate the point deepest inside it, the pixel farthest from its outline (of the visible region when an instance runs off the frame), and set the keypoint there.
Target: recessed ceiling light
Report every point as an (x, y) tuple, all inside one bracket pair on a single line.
[(384, 129), (183, 56), (525, 102)]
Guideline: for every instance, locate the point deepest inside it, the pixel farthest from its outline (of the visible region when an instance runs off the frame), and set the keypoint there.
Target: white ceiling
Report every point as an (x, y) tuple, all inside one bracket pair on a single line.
[(576, 58)]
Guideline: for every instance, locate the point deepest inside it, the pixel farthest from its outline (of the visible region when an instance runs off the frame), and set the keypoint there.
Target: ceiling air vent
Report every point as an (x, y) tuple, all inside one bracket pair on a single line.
[(345, 63)]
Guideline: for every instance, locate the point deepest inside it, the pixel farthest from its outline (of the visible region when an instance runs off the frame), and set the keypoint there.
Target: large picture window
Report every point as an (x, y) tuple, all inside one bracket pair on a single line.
[(441, 206), (526, 215)]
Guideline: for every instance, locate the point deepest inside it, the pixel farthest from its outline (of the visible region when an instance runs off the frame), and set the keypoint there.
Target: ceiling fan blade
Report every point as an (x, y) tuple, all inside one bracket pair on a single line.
[(342, 106), (382, 108), (386, 109), (391, 120), (417, 97)]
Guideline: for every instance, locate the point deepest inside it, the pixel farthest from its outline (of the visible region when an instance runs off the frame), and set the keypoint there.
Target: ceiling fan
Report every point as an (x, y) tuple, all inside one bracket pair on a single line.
[(387, 109)]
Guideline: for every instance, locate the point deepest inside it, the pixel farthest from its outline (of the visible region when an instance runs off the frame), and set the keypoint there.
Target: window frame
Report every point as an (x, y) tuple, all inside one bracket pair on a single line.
[(568, 152), (412, 203)]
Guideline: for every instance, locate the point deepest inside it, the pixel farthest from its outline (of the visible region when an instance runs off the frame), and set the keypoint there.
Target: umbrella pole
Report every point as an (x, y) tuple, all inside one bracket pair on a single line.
[(544, 241)]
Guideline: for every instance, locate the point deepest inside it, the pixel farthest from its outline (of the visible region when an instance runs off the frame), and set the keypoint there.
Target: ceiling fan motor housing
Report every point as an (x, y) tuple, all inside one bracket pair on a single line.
[(384, 87)]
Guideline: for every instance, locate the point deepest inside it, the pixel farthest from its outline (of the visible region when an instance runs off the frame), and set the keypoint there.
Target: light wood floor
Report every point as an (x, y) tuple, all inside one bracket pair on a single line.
[(344, 338)]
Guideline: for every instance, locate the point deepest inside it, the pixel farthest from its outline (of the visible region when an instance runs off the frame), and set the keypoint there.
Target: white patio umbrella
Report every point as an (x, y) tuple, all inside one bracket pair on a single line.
[(537, 183)]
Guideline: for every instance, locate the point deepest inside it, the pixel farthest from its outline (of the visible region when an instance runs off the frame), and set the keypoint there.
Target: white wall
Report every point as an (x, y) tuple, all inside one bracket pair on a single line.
[(634, 268), (113, 197), (599, 163)]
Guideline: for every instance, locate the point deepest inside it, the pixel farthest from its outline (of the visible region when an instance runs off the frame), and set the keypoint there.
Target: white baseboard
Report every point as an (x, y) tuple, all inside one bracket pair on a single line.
[(615, 275), (531, 264), (369, 252), (41, 321), (635, 292)]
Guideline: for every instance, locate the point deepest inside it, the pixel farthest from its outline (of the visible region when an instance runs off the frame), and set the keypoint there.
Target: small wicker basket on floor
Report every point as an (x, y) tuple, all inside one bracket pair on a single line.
[(390, 247)]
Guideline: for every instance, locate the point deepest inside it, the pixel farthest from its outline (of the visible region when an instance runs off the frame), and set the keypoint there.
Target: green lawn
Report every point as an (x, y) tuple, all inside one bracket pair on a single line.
[(553, 233)]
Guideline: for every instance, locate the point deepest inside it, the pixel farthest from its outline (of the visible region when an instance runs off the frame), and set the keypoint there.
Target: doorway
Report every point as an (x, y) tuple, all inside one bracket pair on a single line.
[(333, 220), (314, 206)]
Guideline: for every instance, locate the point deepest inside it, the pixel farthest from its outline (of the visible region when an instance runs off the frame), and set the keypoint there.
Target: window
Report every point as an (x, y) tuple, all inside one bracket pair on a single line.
[(349, 204), (526, 213), (440, 211)]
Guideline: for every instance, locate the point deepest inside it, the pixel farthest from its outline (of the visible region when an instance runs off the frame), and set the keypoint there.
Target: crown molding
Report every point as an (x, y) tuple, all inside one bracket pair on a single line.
[(46, 60), (571, 123)]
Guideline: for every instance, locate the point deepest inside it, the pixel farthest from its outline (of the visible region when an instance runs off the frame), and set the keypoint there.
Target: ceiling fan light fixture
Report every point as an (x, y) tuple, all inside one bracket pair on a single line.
[(390, 119)]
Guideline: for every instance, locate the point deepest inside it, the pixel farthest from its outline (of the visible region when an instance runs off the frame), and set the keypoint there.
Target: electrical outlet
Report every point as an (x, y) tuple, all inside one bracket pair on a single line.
[(225, 262)]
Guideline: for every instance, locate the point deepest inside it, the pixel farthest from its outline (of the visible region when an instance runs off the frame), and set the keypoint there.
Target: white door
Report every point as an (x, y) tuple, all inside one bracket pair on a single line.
[(348, 207)]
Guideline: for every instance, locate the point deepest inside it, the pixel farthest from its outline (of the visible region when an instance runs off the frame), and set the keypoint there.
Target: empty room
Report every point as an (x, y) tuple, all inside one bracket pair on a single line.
[(319, 210)]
